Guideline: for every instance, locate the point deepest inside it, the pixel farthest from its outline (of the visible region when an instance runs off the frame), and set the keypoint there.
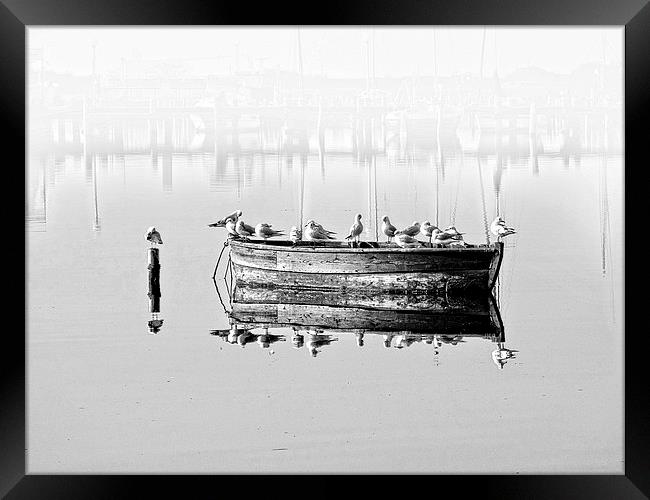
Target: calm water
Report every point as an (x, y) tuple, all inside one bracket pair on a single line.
[(105, 395)]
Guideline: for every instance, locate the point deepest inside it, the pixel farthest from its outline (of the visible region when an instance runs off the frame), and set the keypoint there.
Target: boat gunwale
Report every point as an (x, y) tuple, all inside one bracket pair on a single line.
[(260, 245)]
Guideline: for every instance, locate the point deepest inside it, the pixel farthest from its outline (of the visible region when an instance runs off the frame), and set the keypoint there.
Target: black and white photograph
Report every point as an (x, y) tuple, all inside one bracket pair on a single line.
[(324, 249)]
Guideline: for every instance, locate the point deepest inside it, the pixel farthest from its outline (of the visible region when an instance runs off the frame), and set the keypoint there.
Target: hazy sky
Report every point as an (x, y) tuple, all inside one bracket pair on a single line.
[(399, 51)]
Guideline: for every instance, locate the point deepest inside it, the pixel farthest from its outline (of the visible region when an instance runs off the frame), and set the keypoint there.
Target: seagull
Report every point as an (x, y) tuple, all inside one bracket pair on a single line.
[(412, 230), (316, 232), (231, 227), (427, 229), (453, 231), (295, 235), (406, 241), (355, 229), (266, 231), (499, 228), (242, 230), (387, 228), (222, 222), (445, 238), (312, 221), (153, 236)]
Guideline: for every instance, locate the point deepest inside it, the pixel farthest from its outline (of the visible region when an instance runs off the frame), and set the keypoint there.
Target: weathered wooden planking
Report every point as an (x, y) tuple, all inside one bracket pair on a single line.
[(362, 297), (439, 283), (366, 260), (495, 264), (479, 322)]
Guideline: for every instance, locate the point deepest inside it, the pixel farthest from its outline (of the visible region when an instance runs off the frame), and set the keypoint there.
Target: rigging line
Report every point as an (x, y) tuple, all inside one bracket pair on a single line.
[(460, 171), (302, 191), (485, 221), (435, 166), (374, 163)]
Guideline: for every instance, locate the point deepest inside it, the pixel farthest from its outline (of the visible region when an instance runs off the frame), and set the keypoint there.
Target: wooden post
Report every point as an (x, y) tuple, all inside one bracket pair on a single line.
[(154, 280), (155, 323)]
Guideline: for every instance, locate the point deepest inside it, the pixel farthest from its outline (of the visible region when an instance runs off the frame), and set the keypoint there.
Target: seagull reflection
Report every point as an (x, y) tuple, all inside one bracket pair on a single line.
[(317, 341), (266, 339), (405, 340), (501, 355), (297, 339)]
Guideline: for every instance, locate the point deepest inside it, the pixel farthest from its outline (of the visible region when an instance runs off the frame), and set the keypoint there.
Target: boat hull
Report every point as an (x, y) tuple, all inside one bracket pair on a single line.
[(337, 268)]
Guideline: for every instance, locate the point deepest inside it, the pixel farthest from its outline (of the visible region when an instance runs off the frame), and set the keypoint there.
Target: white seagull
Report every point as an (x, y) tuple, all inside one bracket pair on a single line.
[(295, 234), (499, 228), (427, 229), (316, 232), (406, 241), (387, 228), (222, 222), (231, 227), (317, 225), (453, 231), (266, 231), (412, 230), (445, 238), (242, 230), (153, 236), (355, 229)]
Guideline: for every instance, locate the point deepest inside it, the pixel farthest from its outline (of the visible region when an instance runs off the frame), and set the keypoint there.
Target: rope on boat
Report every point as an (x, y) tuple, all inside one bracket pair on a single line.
[(485, 220), (225, 244)]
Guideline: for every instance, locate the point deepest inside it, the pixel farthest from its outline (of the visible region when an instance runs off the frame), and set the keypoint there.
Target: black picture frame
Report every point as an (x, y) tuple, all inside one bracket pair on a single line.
[(16, 15)]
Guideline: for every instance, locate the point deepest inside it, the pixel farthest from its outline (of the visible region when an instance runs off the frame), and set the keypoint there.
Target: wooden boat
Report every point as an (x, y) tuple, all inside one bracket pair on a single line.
[(333, 266)]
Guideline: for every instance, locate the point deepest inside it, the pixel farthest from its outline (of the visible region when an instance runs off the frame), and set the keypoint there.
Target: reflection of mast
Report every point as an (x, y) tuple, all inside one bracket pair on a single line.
[(301, 81), (96, 225), (483, 51)]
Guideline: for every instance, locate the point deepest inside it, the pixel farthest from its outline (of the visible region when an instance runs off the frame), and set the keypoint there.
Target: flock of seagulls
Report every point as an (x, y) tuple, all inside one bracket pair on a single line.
[(405, 238)]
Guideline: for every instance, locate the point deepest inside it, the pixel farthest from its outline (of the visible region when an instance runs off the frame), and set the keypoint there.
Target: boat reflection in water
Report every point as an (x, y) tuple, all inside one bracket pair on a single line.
[(278, 316)]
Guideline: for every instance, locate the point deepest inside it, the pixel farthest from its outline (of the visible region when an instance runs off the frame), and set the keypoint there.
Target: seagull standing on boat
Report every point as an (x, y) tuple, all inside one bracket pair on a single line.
[(319, 226), (427, 229), (295, 235), (387, 228), (316, 232), (355, 230), (222, 222), (243, 230), (446, 238), (453, 231), (499, 228), (412, 230), (154, 237), (266, 231), (231, 227), (406, 241)]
